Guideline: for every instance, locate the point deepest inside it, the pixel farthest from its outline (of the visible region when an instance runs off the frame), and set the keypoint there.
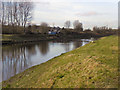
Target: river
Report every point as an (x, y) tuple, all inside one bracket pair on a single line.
[(17, 58)]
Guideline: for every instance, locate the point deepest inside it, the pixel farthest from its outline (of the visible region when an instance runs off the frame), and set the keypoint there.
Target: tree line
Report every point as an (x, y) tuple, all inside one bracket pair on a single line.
[(16, 14), (76, 24)]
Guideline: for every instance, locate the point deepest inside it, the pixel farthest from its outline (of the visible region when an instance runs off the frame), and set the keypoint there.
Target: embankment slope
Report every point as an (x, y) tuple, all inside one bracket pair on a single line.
[(94, 65)]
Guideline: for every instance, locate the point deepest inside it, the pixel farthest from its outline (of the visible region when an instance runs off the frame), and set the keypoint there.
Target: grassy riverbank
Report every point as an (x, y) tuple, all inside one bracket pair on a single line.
[(94, 65), (8, 39), (22, 38)]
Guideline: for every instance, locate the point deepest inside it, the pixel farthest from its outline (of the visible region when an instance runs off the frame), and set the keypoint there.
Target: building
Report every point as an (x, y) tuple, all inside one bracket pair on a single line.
[(54, 30)]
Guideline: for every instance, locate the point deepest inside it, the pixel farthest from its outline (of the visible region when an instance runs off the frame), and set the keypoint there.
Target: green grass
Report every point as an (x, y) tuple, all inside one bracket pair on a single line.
[(94, 65)]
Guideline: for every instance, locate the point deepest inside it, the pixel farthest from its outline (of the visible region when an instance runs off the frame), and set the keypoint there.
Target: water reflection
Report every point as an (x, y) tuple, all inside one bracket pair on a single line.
[(66, 46), (14, 60), (17, 58), (43, 47), (30, 49), (77, 44)]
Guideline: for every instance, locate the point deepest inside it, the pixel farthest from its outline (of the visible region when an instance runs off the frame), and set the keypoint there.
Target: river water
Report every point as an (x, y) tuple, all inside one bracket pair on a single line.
[(17, 58)]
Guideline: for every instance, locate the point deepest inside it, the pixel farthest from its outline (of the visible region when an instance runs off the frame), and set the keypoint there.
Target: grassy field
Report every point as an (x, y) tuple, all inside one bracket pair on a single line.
[(94, 65)]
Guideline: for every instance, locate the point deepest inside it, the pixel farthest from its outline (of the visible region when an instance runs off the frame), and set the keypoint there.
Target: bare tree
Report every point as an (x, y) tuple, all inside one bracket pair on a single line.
[(44, 24), (44, 27), (16, 13), (26, 8), (103, 29), (3, 13), (67, 24), (77, 26), (8, 13)]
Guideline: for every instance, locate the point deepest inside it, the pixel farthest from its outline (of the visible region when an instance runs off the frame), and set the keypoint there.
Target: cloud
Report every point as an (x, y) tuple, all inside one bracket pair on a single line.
[(75, 0), (92, 13), (43, 3), (89, 13)]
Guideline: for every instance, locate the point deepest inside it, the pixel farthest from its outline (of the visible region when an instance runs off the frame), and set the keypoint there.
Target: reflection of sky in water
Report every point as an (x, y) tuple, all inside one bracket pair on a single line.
[(55, 49), (0, 70), (17, 59)]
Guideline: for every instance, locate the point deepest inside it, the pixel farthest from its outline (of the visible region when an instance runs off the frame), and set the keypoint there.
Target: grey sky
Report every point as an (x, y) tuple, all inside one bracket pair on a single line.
[(89, 12)]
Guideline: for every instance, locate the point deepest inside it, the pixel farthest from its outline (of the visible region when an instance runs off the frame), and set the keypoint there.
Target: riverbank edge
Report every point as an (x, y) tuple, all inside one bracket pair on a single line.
[(28, 39), (34, 67)]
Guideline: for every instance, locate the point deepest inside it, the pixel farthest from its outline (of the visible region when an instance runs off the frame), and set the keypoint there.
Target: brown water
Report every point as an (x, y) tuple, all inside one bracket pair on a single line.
[(17, 58)]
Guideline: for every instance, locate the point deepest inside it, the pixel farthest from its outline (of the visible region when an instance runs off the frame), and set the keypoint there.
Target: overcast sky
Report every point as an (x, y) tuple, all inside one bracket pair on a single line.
[(89, 12)]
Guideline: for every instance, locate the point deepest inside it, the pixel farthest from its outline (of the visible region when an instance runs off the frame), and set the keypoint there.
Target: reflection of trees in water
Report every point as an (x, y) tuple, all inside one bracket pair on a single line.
[(31, 50), (65, 44), (66, 47), (16, 58), (43, 47), (77, 44), (14, 61)]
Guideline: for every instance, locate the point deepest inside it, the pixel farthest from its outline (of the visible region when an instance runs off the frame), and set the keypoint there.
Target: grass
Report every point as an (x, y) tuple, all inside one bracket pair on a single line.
[(20, 37), (8, 39), (94, 65)]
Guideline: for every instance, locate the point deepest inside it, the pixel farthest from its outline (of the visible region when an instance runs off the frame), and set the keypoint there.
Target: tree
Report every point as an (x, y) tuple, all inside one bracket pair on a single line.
[(44, 24), (16, 13), (67, 24), (3, 13), (25, 11), (44, 27), (77, 26)]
